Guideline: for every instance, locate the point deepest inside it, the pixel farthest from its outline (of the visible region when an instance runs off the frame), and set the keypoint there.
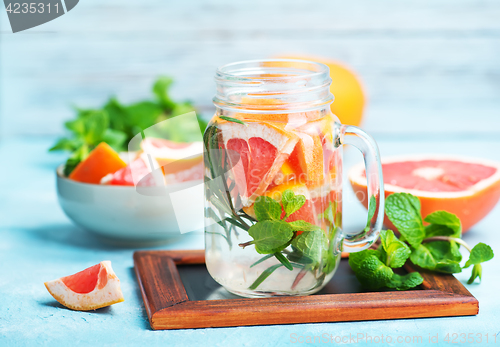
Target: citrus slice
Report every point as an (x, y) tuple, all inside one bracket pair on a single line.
[(173, 156), (137, 173), (307, 156), (467, 187), (89, 289), (256, 152), (305, 213), (102, 161)]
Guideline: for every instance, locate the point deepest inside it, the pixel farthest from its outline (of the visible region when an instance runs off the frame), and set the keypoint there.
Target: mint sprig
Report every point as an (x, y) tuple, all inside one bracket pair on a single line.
[(116, 124), (434, 247), (272, 234)]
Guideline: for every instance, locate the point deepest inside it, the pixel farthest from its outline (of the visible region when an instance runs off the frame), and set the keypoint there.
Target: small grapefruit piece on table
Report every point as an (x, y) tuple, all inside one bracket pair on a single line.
[(467, 187), (90, 289), (256, 152), (103, 160)]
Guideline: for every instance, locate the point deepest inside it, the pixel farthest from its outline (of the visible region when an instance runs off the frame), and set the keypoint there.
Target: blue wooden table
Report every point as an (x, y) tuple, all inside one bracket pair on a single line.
[(432, 75), (38, 243)]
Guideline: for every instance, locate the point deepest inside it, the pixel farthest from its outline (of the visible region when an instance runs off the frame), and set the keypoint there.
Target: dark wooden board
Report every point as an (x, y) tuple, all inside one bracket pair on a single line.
[(200, 302)]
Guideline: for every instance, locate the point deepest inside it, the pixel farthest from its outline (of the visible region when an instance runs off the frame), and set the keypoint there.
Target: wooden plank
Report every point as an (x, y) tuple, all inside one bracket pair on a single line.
[(159, 281), (442, 296)]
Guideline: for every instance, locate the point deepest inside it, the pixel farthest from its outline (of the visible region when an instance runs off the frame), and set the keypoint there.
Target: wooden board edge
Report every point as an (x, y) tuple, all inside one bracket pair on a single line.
[(312, 309)]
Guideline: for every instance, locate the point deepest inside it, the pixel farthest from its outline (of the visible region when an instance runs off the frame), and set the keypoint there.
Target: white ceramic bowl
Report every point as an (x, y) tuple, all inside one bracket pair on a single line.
[(130, 215)]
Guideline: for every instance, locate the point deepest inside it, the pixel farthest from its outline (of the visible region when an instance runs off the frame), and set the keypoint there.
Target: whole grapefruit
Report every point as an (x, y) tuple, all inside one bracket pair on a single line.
[(347, 89)]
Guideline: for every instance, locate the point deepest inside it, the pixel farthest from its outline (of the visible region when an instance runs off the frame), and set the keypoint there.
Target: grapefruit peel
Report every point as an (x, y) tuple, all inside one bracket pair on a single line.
[(90, 289), (470, 204)]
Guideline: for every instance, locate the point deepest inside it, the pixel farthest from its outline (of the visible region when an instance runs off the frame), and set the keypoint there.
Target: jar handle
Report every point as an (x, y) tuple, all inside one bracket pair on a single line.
[(356, 137)]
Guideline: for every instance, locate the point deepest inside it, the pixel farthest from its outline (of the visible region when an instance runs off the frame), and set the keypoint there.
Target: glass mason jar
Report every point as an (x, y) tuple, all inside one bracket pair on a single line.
[(273, 185)]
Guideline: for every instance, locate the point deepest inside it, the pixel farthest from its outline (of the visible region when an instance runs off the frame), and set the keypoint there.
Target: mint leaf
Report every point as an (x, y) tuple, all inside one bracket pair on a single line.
[(441, 256), (95, 125), (311, 244), (405, 282), (270, 236), (115, 138), (267, 208), (300, 225), (372, 206), (329, 213), (443, 223), (65, 144), (160, 90), (291, 202), (403, 210), (479, 254), (397, 252), (355, 259), (371, 272)]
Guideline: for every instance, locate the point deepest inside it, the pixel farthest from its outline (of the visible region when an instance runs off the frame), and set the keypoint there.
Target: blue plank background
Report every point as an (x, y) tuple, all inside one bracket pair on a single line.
[(429, 67)]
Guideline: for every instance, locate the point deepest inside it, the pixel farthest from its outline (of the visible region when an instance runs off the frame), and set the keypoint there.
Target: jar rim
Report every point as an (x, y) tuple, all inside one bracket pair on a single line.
[(222, 72), (273, 86)]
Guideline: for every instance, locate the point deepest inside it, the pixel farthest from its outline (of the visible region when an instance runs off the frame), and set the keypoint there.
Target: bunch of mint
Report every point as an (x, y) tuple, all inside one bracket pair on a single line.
[(116, 123), (272, 235), (433, 247)]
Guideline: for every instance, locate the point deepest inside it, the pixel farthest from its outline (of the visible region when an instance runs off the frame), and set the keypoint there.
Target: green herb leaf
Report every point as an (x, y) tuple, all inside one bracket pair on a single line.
[(405, 282), (65, 144), (160, 90), (371, 272), (265, 274), (234, 120), (267, 208), (283, 260), (264, 258), (300, 225), (403, 211), (291, 202), (115, 138), (479, 254), (441, 256), (329, 213), (397, 252), (270, 236), (311, 244), (443, 223)]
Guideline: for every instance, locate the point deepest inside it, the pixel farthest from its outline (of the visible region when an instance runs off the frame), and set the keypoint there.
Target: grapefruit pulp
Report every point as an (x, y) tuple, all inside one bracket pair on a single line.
[(256, 152), (90, 289), (467, 187), (306, 212)]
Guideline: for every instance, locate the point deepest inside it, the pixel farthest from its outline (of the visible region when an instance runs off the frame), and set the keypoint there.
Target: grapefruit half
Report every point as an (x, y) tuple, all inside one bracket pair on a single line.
[(467, 187), (90, 289)]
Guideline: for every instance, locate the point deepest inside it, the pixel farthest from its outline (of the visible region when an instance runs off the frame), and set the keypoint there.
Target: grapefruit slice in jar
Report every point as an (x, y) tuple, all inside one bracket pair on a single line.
[(306, 213), (256, 152), (90, 289), (467, 187)]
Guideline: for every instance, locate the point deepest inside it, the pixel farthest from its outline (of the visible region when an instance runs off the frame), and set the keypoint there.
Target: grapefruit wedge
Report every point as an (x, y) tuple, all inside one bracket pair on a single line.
[(256, 152), (306, 212), (173, 156), (89, 289), (467, 187)]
